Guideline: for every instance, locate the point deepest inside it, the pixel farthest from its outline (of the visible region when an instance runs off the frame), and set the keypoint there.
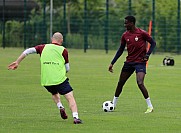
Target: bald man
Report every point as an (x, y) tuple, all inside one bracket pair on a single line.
[(54, 66)]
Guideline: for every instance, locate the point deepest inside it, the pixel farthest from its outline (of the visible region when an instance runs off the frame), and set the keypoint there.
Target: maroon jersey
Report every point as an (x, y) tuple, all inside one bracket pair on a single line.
[(39, 49), (136, 44)]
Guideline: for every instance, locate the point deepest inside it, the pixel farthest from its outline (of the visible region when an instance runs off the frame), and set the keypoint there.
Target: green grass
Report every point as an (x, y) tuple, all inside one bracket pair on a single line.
[(27, 107)]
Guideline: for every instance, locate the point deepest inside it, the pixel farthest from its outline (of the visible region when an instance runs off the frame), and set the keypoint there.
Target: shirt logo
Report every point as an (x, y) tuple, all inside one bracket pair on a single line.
[(136, 38)]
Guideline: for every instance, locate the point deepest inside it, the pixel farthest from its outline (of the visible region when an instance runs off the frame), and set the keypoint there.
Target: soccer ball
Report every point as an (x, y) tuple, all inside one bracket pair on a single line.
[(108, 106)]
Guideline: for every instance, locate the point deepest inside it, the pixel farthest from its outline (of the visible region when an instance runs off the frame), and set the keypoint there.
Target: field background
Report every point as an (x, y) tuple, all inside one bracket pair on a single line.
[(27, 107)]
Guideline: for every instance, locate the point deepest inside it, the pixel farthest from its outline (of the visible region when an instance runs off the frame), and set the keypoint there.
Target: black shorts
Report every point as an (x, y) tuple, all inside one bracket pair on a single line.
[(131, 67), (62, 88)]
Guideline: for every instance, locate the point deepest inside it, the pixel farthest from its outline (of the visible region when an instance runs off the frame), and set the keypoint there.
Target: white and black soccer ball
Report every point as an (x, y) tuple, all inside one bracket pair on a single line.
[(108, 106)]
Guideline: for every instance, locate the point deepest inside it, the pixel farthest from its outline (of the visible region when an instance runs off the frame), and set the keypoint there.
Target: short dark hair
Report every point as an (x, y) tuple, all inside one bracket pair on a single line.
[(131, 19)]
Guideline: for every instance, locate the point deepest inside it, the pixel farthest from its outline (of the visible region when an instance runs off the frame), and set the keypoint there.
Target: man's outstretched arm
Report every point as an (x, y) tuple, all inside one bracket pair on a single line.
[(14, 65)]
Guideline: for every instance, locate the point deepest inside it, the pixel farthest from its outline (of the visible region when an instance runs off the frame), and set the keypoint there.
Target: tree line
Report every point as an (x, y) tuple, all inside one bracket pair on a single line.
[(69, 18)]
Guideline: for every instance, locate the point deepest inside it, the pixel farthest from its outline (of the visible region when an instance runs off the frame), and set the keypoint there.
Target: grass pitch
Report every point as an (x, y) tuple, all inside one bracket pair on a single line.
[(28, 107)]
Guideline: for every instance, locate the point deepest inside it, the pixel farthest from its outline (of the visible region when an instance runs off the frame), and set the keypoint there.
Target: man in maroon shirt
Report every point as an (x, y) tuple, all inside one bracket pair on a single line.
[(135, 39)]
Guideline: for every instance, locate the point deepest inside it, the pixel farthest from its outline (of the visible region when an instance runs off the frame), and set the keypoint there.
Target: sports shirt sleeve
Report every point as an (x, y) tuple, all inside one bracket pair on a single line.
[(149, 39), (153, 44), (119, 51), (29, 51), (39, 48), (65, 55)]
